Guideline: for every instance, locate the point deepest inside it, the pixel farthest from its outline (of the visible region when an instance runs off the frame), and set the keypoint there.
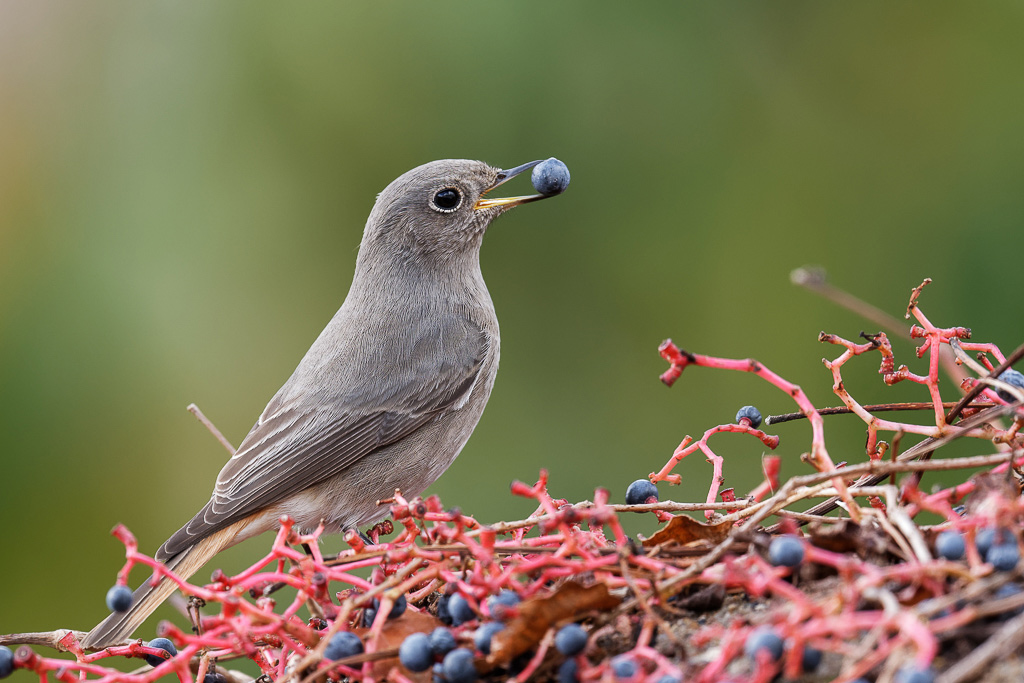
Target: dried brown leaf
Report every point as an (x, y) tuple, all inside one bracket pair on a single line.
[(844, 536), (392, 635), (683, 529), (706, 599), (537, 615)]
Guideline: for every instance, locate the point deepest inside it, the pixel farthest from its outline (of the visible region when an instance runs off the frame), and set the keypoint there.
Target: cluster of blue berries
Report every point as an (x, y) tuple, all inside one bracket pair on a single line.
[(455, 610), (452, 664), (438, 649), (997, 546), (571, 641), (345, 644)]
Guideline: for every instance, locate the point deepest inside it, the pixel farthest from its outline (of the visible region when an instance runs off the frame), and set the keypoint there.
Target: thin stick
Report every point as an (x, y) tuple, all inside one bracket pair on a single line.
[(873, 408), (194, 409), (44, 638), (815, 279), (645, 602)]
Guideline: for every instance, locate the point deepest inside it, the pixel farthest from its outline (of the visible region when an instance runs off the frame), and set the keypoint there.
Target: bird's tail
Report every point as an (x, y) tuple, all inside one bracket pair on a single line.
[(119, 626)]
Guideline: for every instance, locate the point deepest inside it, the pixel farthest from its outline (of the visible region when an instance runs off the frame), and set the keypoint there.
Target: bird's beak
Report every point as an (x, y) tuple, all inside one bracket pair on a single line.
[(508, 202)]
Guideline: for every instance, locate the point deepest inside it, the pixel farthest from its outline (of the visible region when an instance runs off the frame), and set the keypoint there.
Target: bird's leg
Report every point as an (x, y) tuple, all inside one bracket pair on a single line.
[(315, 610), (274, 587), (312, 605)]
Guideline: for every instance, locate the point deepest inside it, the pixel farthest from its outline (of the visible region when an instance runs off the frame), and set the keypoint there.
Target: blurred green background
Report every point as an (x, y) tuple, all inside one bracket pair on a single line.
[(183, 187)]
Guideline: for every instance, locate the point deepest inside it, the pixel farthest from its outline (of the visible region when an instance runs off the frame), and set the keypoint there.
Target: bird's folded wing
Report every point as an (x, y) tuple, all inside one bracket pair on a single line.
[(297, 444)]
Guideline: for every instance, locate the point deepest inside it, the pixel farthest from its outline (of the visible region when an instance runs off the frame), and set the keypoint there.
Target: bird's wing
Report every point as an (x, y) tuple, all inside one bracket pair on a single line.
[(305, 438)]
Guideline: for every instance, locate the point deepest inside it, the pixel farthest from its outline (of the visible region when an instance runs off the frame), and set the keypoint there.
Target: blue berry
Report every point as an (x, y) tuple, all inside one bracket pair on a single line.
[(623, 667), (160, 644), (983, 540), (669, 678), (343, 644), (1003, 556), (458, 667), (506, 597), (483, 635), (950, 545), (1013, 378), (751, 413), (640, 491), (443, 613), (550, 177), (460, 610), (786, 551), (119, 598), (569, 672), (442, 641), (1008, 590), (571, 640), (497, 605), (764, 638), (811, 659), (6, 661), (914, 674), (415, 654), (397, 608)]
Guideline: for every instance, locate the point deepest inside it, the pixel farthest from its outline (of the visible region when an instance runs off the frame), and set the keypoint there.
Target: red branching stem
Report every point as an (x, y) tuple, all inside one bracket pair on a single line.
[(437, 549), (818, 456)]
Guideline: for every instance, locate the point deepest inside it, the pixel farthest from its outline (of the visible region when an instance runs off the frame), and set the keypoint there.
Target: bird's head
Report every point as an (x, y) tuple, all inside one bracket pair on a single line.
[(440, 208)]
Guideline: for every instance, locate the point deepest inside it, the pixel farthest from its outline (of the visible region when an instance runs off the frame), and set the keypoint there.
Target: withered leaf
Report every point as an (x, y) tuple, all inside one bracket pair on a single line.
[(392, 635), (706, 599), (683, 529), (844, 536), (537, 615)]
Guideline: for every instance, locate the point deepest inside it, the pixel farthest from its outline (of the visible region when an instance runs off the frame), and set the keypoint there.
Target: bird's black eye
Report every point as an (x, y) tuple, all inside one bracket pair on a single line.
[(447, 199)]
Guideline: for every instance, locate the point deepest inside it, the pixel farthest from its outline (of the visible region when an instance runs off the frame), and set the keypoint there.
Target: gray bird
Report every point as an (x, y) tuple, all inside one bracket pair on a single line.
[(387, 395)]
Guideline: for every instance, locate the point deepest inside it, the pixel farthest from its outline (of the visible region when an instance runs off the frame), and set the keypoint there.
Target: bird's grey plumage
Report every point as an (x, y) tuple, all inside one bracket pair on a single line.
[(387, 395)]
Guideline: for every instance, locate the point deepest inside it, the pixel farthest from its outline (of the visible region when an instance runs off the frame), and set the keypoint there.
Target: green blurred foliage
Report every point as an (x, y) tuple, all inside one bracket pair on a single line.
[(183, 188)]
